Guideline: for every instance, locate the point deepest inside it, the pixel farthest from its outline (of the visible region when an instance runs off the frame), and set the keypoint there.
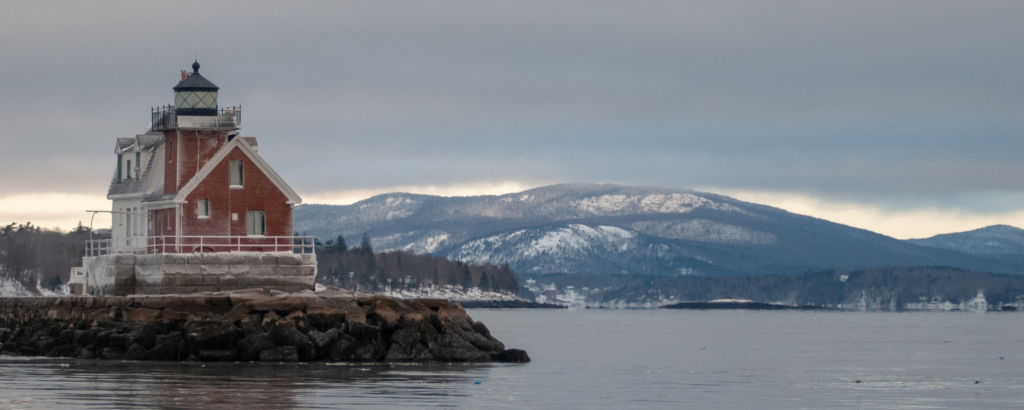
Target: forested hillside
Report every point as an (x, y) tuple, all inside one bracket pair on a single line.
[(362, 269), (898, 288), (29, 254)]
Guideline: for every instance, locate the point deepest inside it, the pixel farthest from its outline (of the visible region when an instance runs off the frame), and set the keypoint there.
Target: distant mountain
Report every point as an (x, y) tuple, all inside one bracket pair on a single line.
[(1002, 242), (614, 229)]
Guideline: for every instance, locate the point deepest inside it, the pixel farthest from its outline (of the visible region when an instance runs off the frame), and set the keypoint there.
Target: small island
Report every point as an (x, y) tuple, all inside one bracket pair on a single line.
[(737, 304)]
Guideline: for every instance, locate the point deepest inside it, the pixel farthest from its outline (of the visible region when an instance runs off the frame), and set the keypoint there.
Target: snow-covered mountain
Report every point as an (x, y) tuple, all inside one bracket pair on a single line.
[(614, 229), (1002, 242)]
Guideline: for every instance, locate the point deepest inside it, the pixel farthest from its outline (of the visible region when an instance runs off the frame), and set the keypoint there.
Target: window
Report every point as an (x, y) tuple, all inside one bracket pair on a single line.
[(129, 169), (235, 174), (256, 223), (203, 210), (119, 168), (135, 213), (169, 219), (138, 164), (128, 225)]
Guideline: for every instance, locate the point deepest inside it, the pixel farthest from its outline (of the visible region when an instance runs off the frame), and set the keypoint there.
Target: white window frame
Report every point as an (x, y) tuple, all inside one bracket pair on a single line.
[(236, 174), (203, 209), (256, 223)]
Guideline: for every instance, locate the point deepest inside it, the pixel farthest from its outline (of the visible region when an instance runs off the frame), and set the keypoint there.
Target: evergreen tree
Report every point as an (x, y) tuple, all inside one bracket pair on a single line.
[(365, 245), (485, 283), (340, 245), (467, 278)]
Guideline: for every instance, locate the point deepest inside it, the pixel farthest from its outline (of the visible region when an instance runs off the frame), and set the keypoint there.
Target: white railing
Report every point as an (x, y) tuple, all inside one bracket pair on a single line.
[(199, 244)]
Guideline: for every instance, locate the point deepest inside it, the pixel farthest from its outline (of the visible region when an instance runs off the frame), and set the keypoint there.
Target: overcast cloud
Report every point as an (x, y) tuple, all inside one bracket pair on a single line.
[(886, 107)]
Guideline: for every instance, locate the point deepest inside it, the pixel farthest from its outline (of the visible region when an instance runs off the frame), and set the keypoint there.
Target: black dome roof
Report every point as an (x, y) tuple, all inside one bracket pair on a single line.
[(196, 82)]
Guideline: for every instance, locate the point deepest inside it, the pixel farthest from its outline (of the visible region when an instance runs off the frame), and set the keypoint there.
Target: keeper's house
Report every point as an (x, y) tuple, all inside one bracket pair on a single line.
[(196, 209)]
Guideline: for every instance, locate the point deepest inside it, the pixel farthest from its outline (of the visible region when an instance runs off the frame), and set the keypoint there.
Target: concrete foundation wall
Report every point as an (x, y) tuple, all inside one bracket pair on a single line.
[(155, 274)]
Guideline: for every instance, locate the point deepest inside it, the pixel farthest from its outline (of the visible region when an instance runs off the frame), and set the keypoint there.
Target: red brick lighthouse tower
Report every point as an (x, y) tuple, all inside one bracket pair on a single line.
[(196, 209), (215, 184)]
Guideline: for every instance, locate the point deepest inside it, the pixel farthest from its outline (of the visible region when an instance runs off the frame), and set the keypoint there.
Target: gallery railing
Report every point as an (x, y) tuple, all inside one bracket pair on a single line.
[(200, 244), (166, 117)]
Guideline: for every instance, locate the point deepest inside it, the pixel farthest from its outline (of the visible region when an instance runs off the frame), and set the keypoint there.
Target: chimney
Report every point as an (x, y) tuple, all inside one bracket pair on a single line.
[(184, 75)]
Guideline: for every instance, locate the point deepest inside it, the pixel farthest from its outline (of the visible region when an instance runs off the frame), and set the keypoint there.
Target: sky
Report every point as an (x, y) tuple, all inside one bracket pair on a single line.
[(904, 118)]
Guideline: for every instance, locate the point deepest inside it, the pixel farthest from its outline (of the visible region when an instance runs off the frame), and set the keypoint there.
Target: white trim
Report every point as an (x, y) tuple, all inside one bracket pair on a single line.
[(127, 196), (159, 205), (212, 163)]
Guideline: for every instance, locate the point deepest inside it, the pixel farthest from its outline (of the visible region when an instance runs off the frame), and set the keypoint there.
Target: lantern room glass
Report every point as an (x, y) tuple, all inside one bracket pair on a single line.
[(195, 99)]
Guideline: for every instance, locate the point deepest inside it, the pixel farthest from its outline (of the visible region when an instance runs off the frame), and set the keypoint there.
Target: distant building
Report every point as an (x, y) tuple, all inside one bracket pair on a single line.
[(193, 185)]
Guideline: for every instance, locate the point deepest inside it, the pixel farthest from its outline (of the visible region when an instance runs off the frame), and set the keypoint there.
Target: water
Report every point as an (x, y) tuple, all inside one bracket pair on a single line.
[(601, 359)]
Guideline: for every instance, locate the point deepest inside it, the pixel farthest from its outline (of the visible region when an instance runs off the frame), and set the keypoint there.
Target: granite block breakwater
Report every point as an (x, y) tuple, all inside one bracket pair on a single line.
[(248, 325)]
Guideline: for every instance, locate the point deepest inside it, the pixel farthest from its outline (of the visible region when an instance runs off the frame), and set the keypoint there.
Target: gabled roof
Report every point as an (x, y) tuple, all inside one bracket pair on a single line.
[(293, 198), (123, 144), (252, 143), (150, 145)]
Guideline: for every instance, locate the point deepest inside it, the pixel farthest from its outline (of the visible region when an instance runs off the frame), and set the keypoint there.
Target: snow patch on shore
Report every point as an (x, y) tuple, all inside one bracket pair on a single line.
[(455, 295), (13, 288)]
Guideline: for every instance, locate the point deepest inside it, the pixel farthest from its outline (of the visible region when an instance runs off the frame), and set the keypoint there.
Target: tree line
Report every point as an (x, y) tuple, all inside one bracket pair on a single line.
[(360, 268), (32, 255)]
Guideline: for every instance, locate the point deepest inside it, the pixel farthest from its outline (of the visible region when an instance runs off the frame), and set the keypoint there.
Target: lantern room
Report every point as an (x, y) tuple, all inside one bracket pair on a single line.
[(195, 95)]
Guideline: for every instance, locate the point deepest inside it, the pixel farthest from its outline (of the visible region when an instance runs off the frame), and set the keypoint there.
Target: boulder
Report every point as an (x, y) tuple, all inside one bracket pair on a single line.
[(280, 303), (370, 345), (85, 337), (279, 354), (354, 314), (238, 312), (284, 333), (217, 355), (511, 356), (111, 353), (412, 340), (343, 348), (270, 319), (325, 318), (135, 352), (248, 298), (452, 348), (68, 350), (169, 349), (211, 334), (252, 323), (383, 315), (299, 319), (143, 336), (321, 341), (251, 347), (169, 337), (433, 304)]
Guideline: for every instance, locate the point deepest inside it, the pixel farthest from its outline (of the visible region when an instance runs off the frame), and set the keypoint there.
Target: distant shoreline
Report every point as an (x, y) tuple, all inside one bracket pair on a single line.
[(508, 304), (745, 305)]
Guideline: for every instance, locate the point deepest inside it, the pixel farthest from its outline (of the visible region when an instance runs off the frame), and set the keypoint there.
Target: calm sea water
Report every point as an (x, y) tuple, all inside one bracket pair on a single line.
[(601, 359)]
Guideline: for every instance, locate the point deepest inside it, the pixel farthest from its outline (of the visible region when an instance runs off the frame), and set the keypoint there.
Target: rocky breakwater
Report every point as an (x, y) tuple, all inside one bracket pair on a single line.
[(333, 325)]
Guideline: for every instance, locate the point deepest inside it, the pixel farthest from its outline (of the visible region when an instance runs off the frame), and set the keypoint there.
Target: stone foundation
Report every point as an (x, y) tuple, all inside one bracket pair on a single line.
[(173, 273), (333, 325)]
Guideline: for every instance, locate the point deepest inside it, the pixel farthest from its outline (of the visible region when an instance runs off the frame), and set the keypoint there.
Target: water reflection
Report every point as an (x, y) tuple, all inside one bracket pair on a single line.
[(42, 383)]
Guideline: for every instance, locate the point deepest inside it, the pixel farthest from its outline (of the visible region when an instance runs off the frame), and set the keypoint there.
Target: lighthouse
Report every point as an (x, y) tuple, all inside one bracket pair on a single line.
[(196, 208)]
